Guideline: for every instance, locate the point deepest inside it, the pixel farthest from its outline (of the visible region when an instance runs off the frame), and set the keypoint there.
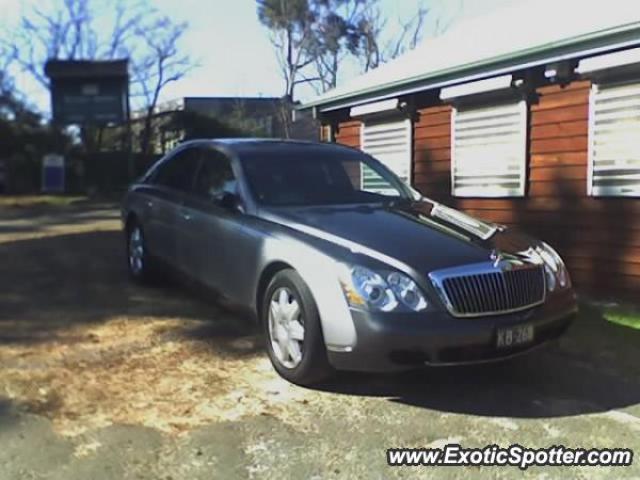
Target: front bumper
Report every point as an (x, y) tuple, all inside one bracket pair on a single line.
[(388, 342)]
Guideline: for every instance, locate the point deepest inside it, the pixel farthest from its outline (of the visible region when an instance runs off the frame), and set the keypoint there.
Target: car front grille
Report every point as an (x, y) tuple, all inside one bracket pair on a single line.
[(491, 291)]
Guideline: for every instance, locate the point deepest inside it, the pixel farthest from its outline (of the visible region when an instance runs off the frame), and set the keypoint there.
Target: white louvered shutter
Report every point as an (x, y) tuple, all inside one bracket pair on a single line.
[(489, 150), (614, 150), (390, 143)]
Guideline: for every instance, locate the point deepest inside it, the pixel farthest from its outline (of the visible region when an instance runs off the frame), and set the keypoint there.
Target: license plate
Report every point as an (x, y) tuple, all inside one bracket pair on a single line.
[(514, 336)]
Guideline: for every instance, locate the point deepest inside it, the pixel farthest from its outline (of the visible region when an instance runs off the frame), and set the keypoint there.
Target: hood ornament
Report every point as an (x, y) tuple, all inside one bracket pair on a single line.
[(497, 258), (507, 262)]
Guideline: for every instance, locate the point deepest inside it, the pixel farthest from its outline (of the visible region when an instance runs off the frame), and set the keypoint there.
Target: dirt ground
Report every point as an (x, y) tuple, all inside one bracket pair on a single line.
[(100, 378)]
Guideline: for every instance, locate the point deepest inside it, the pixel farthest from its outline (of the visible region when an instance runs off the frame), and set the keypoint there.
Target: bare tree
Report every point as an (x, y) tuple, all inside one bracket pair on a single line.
[(161, 65), (373, 50), (337, 35), (312, 38), (69, 33), (81, 30), (6, 82), (291, 25), (372, 24), (443, 24), (410, 34)]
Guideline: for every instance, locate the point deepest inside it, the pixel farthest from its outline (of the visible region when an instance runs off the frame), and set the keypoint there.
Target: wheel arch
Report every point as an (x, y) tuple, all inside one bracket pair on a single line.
[(265, 277), (130, 220), (336, 322)]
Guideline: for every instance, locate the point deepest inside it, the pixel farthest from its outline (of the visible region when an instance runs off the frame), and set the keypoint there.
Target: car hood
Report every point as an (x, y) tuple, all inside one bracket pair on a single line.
[(425, 236)]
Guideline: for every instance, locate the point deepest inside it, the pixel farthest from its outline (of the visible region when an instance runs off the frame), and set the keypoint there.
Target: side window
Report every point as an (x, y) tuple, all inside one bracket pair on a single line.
[(215, 177), (178, 171)]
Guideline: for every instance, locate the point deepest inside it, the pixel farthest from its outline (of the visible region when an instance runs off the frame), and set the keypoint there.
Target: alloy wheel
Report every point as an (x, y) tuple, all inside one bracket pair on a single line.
[(286, 327), (136, 251)]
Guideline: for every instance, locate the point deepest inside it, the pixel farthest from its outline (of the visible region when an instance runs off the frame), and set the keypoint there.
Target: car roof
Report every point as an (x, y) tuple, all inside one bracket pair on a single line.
[(248, 146)]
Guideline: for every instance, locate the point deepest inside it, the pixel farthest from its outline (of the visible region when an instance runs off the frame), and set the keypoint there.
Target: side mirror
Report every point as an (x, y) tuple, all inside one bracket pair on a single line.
[(231, 202)]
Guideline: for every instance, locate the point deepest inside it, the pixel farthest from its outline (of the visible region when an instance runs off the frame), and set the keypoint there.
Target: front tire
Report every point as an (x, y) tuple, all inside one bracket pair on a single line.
[(293, 331), (139, 262)]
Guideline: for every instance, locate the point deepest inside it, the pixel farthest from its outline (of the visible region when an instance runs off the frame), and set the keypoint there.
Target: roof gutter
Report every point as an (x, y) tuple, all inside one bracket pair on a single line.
[(625, 36)]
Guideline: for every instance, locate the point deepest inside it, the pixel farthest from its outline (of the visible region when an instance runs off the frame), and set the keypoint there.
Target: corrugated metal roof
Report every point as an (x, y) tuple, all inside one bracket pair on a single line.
[(530, 30)]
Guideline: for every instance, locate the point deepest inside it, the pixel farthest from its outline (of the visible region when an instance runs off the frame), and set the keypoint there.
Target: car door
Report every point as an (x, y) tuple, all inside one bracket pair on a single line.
[(218, 245), (171, 183)]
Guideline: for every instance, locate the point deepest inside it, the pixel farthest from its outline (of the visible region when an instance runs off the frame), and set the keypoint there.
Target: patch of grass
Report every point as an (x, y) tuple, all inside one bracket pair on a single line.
[(624, 316), (30, 201)]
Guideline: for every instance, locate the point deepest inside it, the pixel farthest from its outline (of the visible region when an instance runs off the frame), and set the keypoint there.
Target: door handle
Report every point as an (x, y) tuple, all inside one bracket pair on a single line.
[(149, 204), (185, 215)]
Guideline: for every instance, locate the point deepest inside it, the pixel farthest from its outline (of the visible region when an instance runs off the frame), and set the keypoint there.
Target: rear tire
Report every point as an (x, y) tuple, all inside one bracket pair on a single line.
[(292, 330), (140, 264)]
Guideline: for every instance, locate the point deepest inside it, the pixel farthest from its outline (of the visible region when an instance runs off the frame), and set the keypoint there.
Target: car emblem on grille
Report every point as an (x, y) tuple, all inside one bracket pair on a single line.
[(499, 261)]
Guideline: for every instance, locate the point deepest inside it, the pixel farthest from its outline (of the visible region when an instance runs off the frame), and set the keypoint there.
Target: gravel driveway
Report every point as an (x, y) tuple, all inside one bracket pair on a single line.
[(103, 379)]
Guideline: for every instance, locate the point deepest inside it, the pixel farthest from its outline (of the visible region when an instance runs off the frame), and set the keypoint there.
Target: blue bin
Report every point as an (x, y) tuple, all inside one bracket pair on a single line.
[(53, 173)]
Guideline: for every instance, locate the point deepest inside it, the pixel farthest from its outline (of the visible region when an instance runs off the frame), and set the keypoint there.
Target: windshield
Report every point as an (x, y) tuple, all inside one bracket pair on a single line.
[(316, 177)]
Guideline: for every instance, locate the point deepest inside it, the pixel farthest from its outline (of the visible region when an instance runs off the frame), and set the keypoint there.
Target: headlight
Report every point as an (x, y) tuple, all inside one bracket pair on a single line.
[(372, 290), (365, 288), (407, 291), (555, 270), (551, 277)]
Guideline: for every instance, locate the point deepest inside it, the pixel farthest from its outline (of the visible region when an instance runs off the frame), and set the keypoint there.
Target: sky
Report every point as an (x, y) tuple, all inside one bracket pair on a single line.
[(233, 51)]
